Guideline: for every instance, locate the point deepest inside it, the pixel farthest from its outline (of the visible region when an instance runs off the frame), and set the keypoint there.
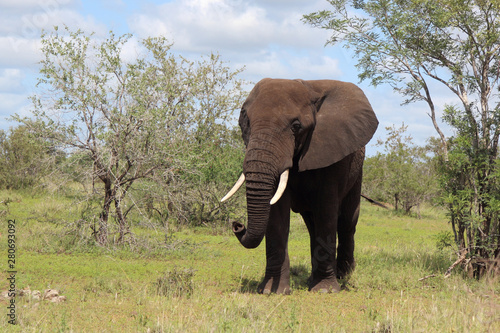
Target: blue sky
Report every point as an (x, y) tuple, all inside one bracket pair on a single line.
[(266, 37)]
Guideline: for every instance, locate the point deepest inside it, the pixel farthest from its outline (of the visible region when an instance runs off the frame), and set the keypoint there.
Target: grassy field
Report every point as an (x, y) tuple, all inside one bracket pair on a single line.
[(205, 281)]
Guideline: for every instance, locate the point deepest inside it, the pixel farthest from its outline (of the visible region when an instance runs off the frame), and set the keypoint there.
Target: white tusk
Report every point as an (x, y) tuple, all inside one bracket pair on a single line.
[(235, 188), (281, 187)]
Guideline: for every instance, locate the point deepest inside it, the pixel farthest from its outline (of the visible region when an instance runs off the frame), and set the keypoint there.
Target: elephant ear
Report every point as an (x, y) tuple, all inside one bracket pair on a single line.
[(244, 123), (345, 122)]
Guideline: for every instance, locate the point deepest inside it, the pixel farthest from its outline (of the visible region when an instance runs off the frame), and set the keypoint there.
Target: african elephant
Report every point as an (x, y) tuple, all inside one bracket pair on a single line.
[(304, 150)]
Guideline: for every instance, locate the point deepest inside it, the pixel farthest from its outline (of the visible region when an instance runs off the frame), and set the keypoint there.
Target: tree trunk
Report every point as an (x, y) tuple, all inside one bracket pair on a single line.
[(101, 234), (122, 221)]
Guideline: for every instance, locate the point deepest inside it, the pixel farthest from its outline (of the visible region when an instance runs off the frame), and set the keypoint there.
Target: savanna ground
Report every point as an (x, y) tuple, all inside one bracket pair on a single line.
[(202, 279)]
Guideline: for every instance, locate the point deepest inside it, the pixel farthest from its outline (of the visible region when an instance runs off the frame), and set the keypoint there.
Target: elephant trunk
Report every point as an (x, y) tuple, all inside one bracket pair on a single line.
[(266, 158), (260, 187)]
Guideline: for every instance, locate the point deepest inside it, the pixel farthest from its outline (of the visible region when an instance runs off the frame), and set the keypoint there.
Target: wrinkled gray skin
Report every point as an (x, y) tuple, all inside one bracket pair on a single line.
[(317, 130)]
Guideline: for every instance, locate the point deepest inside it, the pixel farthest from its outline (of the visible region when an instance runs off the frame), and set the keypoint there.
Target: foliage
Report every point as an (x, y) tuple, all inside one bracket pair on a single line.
[(471, 184), (444, 239), (194, 197), (404, 173), (125, 120), (24, 159), (412, 44)]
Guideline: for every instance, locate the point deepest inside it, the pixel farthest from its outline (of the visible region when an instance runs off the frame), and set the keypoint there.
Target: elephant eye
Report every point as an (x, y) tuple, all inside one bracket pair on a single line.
[(296, 126)]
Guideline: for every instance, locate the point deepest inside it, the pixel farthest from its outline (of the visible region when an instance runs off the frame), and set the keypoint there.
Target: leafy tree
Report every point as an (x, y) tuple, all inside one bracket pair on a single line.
[(192, 196), (132, 118), (24, 159), (411, 44), (404, 173)]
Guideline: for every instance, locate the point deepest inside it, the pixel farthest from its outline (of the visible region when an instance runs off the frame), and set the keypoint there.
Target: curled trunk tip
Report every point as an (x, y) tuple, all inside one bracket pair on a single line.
[(240, 231)]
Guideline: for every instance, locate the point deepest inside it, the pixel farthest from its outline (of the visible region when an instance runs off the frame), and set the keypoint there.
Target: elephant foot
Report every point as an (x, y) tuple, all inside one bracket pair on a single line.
[(274, 285), (345, 268), (324, 286)]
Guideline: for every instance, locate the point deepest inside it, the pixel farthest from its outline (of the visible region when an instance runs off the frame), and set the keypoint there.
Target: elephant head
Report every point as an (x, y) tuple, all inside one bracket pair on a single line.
[(298, 125)]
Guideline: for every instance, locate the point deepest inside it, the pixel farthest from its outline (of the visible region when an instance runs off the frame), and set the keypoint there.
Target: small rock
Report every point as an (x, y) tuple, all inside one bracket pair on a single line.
[(58, 299), (24, 292), (53, 296), (36, 295), (50, 293)]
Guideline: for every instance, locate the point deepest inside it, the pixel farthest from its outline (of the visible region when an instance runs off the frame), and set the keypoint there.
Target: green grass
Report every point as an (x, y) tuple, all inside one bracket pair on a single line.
[(206, 282)]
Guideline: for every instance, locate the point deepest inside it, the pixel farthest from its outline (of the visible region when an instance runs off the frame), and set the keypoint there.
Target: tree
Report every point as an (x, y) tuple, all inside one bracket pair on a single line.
[(131, 119), (404, 173), (192, 196), (411, 44), (24, 159)]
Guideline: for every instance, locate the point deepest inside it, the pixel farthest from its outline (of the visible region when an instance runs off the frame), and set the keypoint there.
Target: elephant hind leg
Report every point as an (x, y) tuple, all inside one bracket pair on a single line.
[(345, 250)]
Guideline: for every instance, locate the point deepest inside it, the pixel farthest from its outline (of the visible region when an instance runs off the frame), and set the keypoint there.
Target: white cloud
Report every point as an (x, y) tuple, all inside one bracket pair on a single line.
[(11, 80), (310, 67), (12, 103), (254, 34), (22, 24), (285, 65), (29, 4), (18, 52), (13, 95), (264, 65), (199, 25), (27, 18)]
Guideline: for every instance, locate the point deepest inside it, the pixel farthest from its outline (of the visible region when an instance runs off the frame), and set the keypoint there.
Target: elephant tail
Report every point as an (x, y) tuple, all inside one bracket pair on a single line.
[(374, 202)]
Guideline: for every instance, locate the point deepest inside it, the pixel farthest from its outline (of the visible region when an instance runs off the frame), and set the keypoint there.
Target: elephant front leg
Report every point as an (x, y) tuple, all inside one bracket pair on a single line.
[(323, 245), (277, 276)]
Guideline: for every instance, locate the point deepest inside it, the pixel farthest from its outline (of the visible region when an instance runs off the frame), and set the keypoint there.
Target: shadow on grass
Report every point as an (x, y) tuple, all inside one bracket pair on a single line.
[(299, 280), (249, 286), (299, 274), (382, 267)]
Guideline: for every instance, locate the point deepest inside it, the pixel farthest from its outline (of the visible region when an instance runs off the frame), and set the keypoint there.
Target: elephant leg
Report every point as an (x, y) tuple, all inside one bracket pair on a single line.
[(308, 219), (277, 276), (345, 251), (348, 219), (322, 229)]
